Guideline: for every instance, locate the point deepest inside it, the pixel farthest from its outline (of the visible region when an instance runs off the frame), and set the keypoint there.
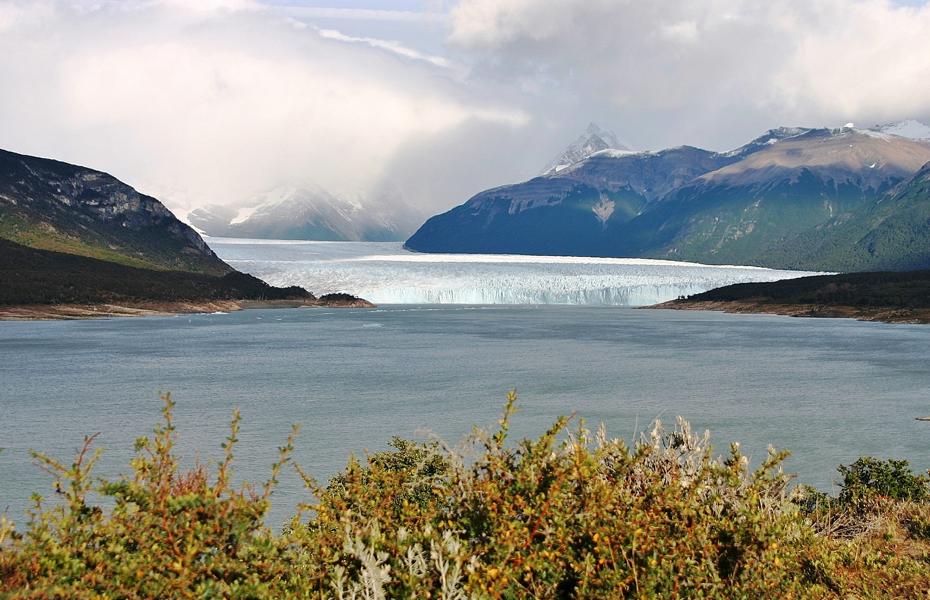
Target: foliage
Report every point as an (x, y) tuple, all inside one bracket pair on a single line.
[(866, 290), (570, 514), (891, 478)]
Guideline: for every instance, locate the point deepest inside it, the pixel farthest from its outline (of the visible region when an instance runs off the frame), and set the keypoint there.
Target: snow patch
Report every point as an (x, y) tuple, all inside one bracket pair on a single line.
[(909, 128), (615, 153), (244, 215)]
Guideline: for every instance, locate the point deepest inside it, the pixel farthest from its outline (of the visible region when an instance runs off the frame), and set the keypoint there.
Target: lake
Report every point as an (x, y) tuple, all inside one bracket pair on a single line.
[(829, 390)]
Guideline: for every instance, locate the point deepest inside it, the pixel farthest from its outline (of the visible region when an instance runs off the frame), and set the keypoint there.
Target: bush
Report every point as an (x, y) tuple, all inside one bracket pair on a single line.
[(868, 477), (567, 515)]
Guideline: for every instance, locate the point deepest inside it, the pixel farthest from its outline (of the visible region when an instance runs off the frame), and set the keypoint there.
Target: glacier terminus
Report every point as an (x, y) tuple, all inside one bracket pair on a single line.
[(386, 273)]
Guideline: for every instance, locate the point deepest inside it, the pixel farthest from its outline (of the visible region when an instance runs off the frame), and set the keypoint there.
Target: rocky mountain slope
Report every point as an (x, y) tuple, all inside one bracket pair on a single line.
[(594, 139), (52, 205), (74, 236), (785, 199), (306, 213), (572, 213)]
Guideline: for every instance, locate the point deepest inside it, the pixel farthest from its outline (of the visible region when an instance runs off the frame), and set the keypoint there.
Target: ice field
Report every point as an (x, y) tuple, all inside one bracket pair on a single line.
[(385, 273)]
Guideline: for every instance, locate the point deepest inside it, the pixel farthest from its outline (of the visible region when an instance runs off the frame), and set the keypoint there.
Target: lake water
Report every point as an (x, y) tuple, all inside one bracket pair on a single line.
[(829, 390)]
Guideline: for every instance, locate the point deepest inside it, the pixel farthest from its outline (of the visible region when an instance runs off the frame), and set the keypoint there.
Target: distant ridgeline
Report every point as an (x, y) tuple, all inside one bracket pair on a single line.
[(815, 199), (69, 234)]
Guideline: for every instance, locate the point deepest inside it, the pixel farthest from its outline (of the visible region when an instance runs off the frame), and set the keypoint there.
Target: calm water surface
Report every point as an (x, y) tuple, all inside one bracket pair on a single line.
[(829, 390)]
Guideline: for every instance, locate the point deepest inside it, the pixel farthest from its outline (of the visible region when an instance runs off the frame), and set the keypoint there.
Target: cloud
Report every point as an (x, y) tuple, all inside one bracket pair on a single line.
[(712, 72), (361, 14), (210, 104), (210, 101), (390, 45)]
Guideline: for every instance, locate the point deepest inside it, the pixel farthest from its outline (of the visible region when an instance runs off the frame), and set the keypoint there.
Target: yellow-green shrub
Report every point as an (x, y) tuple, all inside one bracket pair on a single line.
[(570, 514)]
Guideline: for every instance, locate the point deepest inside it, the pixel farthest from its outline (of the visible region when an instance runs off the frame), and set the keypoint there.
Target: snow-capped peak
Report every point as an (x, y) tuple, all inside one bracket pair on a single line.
[(770, 137), (908, 128), (594, 139)]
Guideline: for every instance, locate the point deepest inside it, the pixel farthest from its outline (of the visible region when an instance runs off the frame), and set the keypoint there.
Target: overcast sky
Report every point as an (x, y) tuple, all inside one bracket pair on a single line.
[(211, 101)]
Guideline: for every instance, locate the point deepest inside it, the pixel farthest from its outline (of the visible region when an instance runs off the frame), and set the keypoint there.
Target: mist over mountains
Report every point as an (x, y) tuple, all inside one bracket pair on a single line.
[(308, 212)]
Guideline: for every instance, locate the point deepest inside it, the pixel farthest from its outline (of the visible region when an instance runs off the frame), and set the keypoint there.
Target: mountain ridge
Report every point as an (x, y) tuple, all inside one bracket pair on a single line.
[(78, 243), (743, 206), (53, 205)]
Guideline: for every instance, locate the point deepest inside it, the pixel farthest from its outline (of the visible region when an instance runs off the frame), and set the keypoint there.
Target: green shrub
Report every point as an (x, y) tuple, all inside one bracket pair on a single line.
[(891, 478)]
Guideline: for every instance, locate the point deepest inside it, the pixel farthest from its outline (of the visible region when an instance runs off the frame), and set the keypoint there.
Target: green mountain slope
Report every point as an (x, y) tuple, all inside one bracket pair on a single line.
[(893, 234), (52, 205)]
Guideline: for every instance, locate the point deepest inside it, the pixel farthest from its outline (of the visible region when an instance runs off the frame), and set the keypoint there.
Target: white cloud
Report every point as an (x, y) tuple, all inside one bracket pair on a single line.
[(213, 104), (710, 72), (389, 45), (360, 14), (207, 101), (681, 31)]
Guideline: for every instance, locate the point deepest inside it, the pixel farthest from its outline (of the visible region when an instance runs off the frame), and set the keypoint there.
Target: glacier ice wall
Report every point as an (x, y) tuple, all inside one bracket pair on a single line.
[(385, 273)]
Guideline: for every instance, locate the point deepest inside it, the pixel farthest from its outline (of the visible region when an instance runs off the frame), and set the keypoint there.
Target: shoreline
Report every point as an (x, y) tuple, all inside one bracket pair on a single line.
[(76, 312), (884, 315)]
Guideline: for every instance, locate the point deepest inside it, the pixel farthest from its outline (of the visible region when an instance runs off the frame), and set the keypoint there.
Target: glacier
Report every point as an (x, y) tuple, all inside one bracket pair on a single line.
[(386, 273)]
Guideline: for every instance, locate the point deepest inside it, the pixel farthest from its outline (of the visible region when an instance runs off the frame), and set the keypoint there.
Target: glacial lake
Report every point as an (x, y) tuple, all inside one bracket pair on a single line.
[(829, 390)]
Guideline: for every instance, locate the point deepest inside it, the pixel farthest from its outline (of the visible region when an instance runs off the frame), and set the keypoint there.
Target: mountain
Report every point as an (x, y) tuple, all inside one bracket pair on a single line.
[(306, 213), (574, 212), (70, 235), (909, 128), (772, 136), (56, 206), (755, 211), (892, 234), (782, 200), (593, 140)]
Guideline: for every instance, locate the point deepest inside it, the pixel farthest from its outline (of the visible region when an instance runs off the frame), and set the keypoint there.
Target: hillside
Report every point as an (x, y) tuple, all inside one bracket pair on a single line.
[(71, 236), (51, 205), (33, 276), (575, 212), (893, 234), (819, 199), (885, 296)]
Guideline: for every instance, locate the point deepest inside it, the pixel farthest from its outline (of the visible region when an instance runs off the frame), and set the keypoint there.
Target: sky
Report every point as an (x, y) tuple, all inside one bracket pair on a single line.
[(427, 102)]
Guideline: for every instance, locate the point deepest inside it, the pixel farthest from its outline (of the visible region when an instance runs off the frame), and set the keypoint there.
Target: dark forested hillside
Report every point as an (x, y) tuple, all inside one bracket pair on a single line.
[(33, 276)]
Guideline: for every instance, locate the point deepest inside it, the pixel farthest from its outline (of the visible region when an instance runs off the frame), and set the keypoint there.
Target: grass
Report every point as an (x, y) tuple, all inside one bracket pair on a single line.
[(570, 514), (46, 238)]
